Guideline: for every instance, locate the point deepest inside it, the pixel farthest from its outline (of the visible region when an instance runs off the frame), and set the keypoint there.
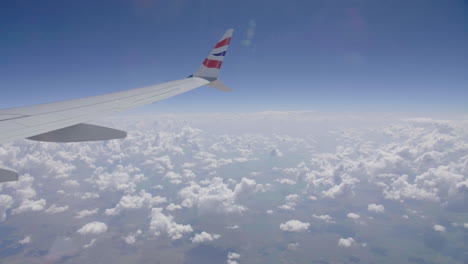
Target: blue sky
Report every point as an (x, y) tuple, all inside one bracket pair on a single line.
[(368, 55)]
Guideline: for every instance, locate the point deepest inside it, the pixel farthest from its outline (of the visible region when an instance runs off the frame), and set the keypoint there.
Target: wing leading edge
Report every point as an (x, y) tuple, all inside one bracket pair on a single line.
[(64, 121)]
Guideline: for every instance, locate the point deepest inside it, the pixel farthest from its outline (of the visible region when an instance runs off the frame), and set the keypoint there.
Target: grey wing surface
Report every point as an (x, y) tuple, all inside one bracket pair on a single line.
[(30, 121)]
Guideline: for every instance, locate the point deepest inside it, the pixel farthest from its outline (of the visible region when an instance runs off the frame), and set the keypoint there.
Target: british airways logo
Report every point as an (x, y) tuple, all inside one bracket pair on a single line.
[(220, 54)]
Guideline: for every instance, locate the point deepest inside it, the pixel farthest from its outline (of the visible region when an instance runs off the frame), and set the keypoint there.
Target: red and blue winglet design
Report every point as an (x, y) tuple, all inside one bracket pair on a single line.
[(214, 61)]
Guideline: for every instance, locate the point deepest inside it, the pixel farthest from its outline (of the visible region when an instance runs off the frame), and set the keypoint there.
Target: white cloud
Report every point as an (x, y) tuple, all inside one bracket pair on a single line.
[(158, 187), (87, 195), (56, 209), (141, 200), (165, 224), (346, 242), (439, 228), (292, 198), (25, 240), (23, 187), (376, 208), (30, 206), (173, 177), (131, 238), (294, 226), (90, 244), (233, 227), (71, 183), (288, 206), (286, 181), (400, 188), (353, 216), (345, 188), (187, 165), (217, 196), (93, 228), (41, 163), (6, 202), (326, 218), (173, 207), (465, 225), (245, 188), (233, 257), (204, 237), (86, 213), (290, 202), (122, 178)]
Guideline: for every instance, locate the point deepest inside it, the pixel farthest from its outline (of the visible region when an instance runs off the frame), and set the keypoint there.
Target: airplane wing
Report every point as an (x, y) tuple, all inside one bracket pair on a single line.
[(65, 121)]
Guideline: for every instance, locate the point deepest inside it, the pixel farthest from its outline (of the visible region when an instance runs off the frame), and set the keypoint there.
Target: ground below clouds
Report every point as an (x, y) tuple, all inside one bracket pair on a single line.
[(293, 187)]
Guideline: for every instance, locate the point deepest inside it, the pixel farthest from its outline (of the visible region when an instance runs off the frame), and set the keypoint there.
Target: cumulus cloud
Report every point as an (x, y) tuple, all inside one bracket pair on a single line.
[(345, 188), (131, 238), (122, 178), (290, 202), (353, 216), (173, 177), (6, 202), (204, 237), (93, 228), (292, 198), (326, 218), (294, 226), (233, 258), (173, 207), (165, 224), (86, 213), (346, 242), (376, 208), (90, 244), (25, 240), (217, 196), (246, 187), (71, 183), (286, 181), (177, 178), (439, 228), (45, 165), (141, 200), (23, 187), (30, 206), (56, 209), (401, 188)]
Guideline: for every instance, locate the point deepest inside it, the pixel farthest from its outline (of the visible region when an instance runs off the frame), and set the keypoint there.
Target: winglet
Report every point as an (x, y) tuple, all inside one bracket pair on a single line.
[(209, 70)]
